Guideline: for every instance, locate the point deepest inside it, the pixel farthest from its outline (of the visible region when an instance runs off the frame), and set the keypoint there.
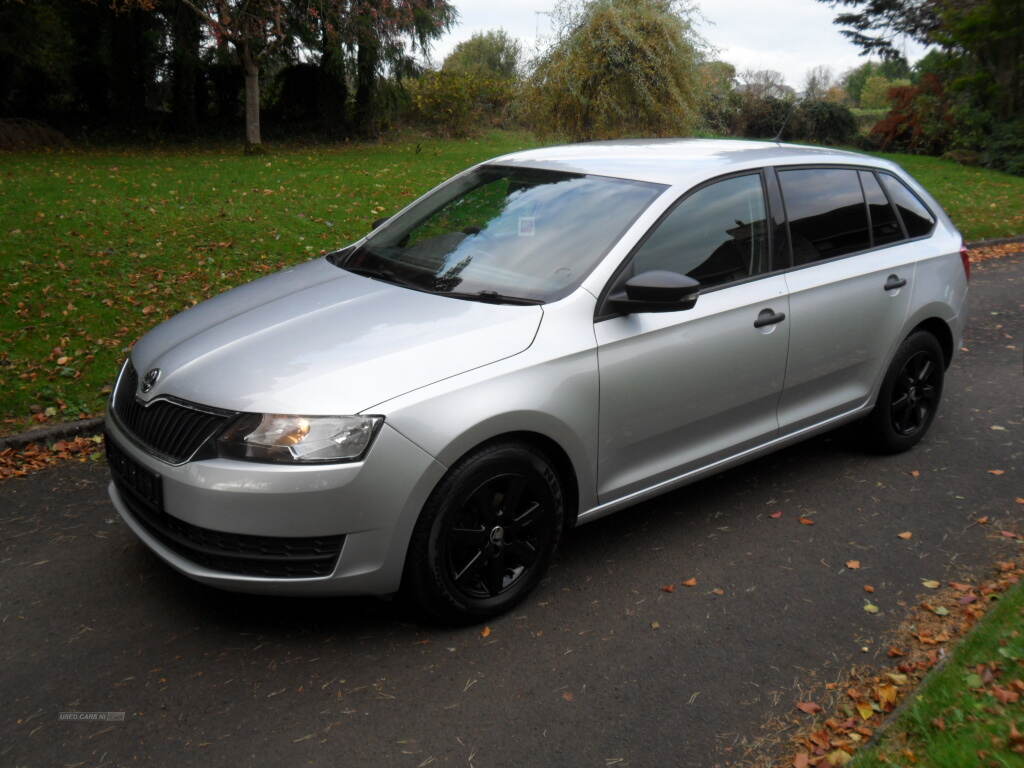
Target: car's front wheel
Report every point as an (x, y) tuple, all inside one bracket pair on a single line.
[(909, 396), (486, 535)]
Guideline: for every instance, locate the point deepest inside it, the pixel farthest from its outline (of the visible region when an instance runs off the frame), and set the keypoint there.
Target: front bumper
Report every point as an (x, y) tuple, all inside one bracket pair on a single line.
[(373, 504)]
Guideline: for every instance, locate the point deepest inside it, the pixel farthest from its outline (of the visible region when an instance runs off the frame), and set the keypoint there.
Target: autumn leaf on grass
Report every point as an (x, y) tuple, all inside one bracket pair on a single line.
[(669, 588), (887, 693), (864, 710), (691, 582), (906, 535), (809, 707), (486, 632), (806, 521), (853, 565)]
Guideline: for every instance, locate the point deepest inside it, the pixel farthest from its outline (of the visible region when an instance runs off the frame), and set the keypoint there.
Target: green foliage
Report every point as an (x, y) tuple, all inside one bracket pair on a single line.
[(825, 122), (618, 68), (957, 717), (1004, 150), (875, 94), (492, 54), (456, 104)]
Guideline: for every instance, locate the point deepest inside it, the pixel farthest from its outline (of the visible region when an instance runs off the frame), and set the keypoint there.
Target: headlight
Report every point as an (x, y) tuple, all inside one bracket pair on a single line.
[(298, 439)]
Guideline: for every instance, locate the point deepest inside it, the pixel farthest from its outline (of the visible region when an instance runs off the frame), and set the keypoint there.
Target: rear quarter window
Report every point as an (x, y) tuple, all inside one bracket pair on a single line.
[(917, 219)]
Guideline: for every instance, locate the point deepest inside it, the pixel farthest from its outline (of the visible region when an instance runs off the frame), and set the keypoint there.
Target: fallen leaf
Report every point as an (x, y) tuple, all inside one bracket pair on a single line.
[(864, 710), (868, 588), (802, 760), (940, 610), (930, 583), (838, 758), (567, 695), (669, 588), (808, 707), (1019, 499), (718, 591), (895, 652), (806, 521), (887, 693), (1010, 534), (905, 535), (486, 632), (870, 607), (655, 625), (915, 473), (997, 471), (691, 582), (982, 520), (777, 515), (853, 564), (897, 677), (960, 586)]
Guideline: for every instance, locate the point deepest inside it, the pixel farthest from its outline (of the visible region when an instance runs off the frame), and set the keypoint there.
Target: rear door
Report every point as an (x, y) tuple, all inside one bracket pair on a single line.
[(849, 290), (680, 389)]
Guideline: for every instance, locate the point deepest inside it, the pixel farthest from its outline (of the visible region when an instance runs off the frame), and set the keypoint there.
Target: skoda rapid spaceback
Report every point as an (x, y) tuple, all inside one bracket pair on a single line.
[(544, 339)]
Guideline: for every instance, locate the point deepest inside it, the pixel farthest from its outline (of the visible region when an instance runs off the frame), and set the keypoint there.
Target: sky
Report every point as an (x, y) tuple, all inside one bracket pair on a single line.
[(789, 36)]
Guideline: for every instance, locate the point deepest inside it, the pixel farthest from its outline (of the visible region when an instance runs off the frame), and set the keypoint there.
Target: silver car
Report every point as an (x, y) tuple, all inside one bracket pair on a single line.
[(544, 339)]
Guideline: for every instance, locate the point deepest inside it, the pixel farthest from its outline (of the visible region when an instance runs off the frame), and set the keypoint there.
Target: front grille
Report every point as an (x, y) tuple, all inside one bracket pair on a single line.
[(169, 429), (275, 557)]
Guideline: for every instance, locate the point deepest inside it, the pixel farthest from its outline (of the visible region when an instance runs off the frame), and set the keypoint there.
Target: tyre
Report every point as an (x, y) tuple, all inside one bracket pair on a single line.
[(486, 535), (909, 396)]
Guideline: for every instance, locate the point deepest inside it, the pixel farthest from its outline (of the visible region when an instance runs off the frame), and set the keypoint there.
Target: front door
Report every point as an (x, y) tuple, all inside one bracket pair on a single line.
[(681, 389)]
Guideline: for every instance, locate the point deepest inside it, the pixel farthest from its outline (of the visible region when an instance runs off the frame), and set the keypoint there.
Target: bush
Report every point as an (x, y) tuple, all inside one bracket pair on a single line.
[(920, 120), (825, 122), (456, 105), (1004, 150)]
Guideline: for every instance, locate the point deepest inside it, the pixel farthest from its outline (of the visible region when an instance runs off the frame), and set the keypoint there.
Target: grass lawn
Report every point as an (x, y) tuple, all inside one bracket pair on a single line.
[(98, 246), (970, 713)]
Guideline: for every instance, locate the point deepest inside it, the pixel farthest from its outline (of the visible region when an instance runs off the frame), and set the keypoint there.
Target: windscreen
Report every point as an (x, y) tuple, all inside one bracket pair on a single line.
[(505, 233)]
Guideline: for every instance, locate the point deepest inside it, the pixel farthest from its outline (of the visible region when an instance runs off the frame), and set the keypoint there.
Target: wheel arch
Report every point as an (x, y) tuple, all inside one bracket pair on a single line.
[(940, 329)]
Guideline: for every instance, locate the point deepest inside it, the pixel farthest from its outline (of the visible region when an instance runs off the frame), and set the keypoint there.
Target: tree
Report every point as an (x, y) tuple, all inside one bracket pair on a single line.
[(875, 94), (486, 54), (817, 83), (987, 34), (764, 84), (616, 68)]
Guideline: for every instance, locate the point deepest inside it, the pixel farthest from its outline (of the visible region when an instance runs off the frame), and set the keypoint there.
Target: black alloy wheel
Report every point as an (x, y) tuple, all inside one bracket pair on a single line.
[(915, 394), (909, 396), (486, 535)]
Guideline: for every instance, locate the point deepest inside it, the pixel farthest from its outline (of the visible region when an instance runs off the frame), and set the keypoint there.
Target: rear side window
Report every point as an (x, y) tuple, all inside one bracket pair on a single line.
[(885, 227), (717, 235), (827, 215), (916, 218)]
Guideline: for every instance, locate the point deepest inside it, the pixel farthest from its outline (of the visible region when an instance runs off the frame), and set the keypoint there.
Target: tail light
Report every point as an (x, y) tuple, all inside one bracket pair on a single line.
[(965, 257)]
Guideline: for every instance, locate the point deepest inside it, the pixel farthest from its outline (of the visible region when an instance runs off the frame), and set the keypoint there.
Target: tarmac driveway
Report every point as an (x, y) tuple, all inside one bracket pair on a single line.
[(599, 668)]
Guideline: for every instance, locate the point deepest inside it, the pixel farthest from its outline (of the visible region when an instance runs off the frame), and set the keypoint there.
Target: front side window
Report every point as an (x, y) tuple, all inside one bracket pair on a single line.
[(827, 215), (501, 233), (916, 218), (716, 235)]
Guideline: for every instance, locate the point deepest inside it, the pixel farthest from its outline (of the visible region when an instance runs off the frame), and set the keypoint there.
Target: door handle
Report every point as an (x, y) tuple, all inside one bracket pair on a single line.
[(768, 317), (894, 282)]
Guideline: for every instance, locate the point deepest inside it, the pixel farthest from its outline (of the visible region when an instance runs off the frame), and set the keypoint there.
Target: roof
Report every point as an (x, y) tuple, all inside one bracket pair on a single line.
[(677, 161)]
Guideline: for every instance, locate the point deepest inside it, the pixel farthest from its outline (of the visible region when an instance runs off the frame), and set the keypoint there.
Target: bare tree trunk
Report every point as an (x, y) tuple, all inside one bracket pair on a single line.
[(252, 99)]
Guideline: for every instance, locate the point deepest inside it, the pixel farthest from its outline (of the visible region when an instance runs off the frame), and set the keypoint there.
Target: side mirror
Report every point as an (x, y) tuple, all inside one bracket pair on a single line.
[(656, 291), (377, 223)]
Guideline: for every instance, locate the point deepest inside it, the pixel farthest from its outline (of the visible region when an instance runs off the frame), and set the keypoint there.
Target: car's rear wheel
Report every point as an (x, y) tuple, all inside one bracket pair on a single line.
[(909, 397), (487, 534)]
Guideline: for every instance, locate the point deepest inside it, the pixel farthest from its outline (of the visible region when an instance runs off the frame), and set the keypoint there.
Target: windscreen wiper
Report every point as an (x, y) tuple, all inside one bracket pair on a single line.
[(491, 297), (383, 274)]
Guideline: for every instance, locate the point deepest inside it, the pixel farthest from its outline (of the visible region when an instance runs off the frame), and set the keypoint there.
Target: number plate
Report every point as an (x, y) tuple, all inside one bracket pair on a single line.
[(132, 477)]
